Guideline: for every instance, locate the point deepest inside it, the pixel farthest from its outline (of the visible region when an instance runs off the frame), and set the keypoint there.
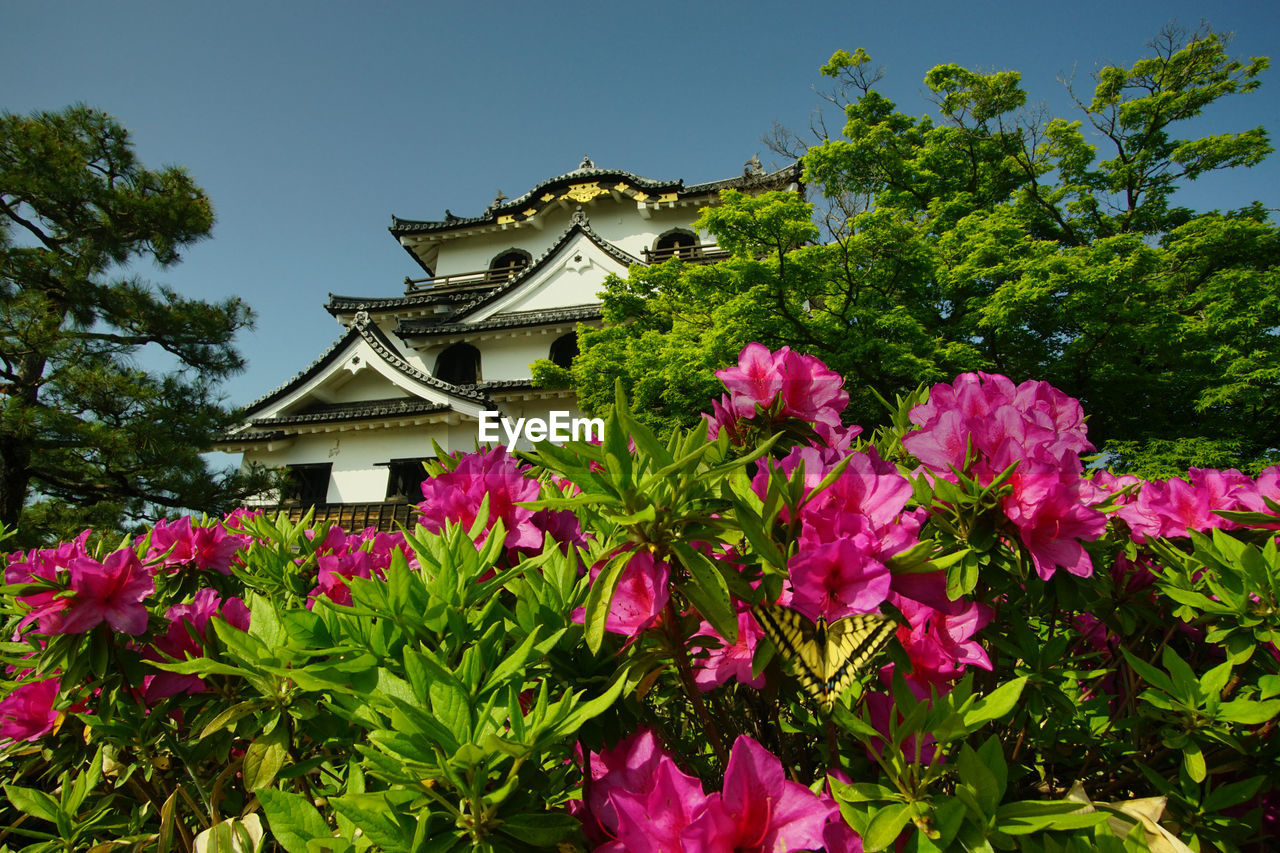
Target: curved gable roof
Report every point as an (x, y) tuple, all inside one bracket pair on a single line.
[(361, 329), (585, 183), (578, 224)]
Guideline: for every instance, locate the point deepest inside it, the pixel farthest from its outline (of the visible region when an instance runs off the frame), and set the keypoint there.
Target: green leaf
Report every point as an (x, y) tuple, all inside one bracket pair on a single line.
[(1185, 683), (600, 598), (229, 716), (885, 827), (1248, 712), (292, 819), (1028, 816), (1232, 794), (713, 600), (264, 758), (33, 802), (995, 704), (264, 622), (861, 792), (542, 829), (1149, 673), (1193, 762), (1213, 681), (979, 778), (513, 664), (753, 527)]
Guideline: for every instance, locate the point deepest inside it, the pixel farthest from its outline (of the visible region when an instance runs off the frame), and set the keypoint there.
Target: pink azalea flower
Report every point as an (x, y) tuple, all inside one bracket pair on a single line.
[(639, 598), (455, 496), (939, 644), (111, 591), (27, 712), (1108, 485), (1169, 508), (178, 644), (881, 710), (563, 526), (207, 548), (986, 414), (785, 384), (865, 504), (728, 660), (335, 570), (628, 766), (1048, 506), (759, 809), (755, 380), (837, 579), (44, 563), (652, 819)]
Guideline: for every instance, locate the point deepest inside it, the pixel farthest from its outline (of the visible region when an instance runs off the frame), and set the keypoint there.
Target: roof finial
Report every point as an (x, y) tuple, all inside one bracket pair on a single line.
[(579, 216), (586, 164), (497, 201), (753, 167)]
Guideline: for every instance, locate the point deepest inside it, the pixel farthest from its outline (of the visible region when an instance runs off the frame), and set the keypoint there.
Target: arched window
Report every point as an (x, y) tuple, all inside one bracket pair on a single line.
[(565, 349), (459, 365), (678, 243), (508, 265)]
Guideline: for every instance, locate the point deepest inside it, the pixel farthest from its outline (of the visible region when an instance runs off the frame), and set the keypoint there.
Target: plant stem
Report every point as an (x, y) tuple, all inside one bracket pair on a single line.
[(694, 695)]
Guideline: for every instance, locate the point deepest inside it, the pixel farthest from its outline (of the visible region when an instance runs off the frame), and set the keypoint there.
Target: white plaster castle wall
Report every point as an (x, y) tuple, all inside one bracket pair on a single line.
[(618, 223), (368, 384), (509, 358), (504, 353), (356, 476)]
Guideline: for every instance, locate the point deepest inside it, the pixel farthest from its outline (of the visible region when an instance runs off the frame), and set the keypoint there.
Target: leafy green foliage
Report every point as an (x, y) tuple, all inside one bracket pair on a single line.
[(449, 703), (987, 238)]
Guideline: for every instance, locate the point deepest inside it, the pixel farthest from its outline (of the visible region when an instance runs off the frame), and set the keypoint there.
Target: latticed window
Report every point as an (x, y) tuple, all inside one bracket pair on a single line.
[(404, 480), (307, 485)]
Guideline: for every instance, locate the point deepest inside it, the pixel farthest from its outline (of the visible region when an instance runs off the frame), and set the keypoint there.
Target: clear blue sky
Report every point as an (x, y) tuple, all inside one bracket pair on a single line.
[(309, 124)]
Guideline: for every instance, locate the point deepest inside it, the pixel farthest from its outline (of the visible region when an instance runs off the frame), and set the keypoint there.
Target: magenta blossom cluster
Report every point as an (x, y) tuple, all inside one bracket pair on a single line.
[(455, 497), (208, 547), (639, 801), (1170, 508), (782, 384), (848, 531), (83, 592), (638, 600), (27, 713), (178, 643), (341, 556), (981, 424)]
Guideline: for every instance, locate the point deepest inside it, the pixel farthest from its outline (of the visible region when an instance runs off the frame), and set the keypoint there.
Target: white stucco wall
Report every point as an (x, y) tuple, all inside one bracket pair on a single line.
[(620, 223)]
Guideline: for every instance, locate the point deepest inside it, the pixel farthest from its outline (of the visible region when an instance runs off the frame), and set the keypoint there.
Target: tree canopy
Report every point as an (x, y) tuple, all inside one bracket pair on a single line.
[(992, 237), (84, 427)]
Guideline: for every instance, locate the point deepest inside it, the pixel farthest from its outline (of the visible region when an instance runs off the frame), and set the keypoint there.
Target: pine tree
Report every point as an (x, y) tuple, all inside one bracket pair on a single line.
[(83, 428)]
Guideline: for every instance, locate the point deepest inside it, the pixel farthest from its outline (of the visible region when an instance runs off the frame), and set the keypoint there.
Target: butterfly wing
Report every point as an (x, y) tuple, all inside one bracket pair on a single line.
[(851, 643), (824, 661), (794, 636)]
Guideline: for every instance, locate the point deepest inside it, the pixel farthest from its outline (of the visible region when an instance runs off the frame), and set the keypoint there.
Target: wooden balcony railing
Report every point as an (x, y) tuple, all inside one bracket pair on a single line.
[(487, 278), (384, 515), (697, 254)]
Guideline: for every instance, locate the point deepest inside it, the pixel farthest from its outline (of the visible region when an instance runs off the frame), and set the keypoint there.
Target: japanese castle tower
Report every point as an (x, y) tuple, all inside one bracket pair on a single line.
[(498, 291)]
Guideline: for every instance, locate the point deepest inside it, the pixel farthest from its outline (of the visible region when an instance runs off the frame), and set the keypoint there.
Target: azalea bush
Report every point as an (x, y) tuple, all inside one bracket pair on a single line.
[(562, 653)]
